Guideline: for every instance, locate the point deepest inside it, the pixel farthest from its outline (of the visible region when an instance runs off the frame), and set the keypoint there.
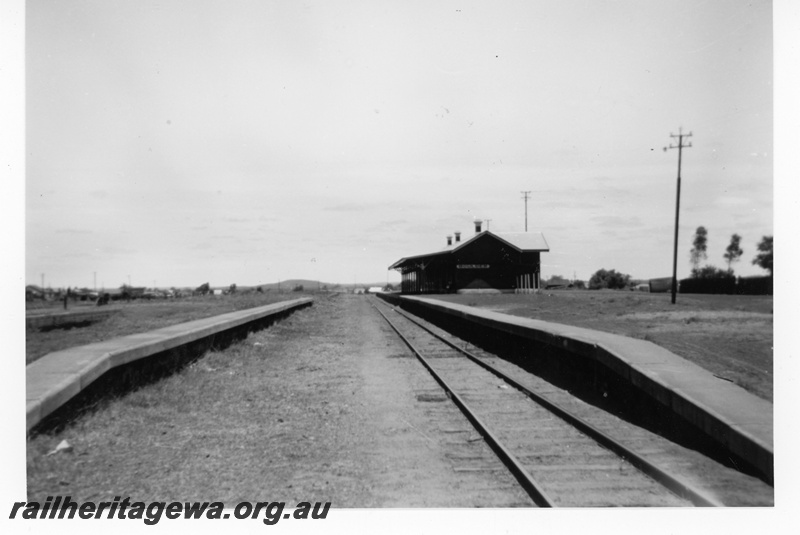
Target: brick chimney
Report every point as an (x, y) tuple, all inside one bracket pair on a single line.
[(449, 241), (458, 236), (478, 224)]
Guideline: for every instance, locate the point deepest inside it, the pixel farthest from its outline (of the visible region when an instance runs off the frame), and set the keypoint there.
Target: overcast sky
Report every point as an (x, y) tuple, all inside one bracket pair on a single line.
[(182, 142)]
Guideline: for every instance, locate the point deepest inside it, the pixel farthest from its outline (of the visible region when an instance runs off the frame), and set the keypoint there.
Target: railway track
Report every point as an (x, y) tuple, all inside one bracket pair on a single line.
[(563, 452)]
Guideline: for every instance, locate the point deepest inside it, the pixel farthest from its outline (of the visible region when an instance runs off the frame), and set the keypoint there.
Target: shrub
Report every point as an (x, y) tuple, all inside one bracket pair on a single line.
[(608, 279), (754, 285), (711, 272), (203, 289), (709, 280)]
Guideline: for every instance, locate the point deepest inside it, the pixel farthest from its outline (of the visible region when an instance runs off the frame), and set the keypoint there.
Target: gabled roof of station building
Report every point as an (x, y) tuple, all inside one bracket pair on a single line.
[(521, 241)]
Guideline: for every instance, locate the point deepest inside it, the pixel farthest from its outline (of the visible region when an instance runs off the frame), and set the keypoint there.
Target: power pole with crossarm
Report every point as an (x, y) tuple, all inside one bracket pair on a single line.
[(526, 196), (680, 146)]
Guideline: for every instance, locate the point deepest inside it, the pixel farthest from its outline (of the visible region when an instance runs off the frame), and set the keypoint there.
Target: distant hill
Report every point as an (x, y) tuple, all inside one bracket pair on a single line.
[(293, 283), (290, 284)]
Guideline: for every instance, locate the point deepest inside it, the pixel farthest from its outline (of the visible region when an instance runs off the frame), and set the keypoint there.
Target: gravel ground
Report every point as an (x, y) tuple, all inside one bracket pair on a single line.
[(324, 406)]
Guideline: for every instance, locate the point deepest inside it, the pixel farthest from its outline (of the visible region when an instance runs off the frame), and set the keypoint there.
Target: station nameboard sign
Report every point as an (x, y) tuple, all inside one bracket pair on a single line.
[(472, 266)]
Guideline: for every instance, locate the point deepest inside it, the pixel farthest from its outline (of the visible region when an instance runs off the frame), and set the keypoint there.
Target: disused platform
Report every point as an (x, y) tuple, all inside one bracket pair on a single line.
[(58, 377), (45, 320), (723, 413)]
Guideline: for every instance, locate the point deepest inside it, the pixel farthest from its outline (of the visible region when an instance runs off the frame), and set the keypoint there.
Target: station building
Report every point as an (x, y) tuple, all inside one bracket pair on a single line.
[(508, 262)]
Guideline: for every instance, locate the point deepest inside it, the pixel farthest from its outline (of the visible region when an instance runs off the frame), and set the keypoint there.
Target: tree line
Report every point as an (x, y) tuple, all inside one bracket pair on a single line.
[(733, 253), (611, 279)]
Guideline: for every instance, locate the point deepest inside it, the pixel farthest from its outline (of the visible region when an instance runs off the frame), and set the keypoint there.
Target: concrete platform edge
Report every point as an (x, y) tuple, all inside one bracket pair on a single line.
[(57, 377)]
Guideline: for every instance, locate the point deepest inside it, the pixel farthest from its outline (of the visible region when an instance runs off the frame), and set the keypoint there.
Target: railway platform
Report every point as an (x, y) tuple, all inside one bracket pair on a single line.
[(726, 414), (58, 377)]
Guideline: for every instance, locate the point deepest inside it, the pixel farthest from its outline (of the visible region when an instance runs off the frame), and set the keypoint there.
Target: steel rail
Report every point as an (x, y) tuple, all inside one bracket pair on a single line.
[(681, 488), (531, 486)]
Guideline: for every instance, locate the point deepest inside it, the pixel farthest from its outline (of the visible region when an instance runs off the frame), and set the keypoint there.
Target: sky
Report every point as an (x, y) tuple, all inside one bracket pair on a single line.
[(172, 143)]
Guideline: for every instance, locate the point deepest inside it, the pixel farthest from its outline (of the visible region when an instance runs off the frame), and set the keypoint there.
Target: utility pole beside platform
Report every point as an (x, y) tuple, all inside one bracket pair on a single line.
[(525, 196), (680, 146)]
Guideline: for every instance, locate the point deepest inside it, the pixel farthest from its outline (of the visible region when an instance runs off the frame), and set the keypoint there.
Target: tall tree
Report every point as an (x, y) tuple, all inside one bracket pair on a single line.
[(733, 251), (764, 258), (698, 252)]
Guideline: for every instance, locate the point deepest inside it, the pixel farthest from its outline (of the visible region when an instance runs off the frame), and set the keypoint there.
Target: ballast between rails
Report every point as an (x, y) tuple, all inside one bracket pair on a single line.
[(537, 494)]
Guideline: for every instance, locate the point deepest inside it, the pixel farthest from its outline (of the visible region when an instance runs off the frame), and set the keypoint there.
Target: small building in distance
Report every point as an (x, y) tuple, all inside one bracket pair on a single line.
[(488, 261), (557, 283)]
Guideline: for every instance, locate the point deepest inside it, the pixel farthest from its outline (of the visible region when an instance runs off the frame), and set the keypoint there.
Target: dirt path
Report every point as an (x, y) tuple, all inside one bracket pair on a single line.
[(324, 406)]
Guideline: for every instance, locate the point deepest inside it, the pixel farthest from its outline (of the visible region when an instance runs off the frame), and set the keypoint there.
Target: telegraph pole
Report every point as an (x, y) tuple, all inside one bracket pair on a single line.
[(680, 146), (526, 196), (487, 223)]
